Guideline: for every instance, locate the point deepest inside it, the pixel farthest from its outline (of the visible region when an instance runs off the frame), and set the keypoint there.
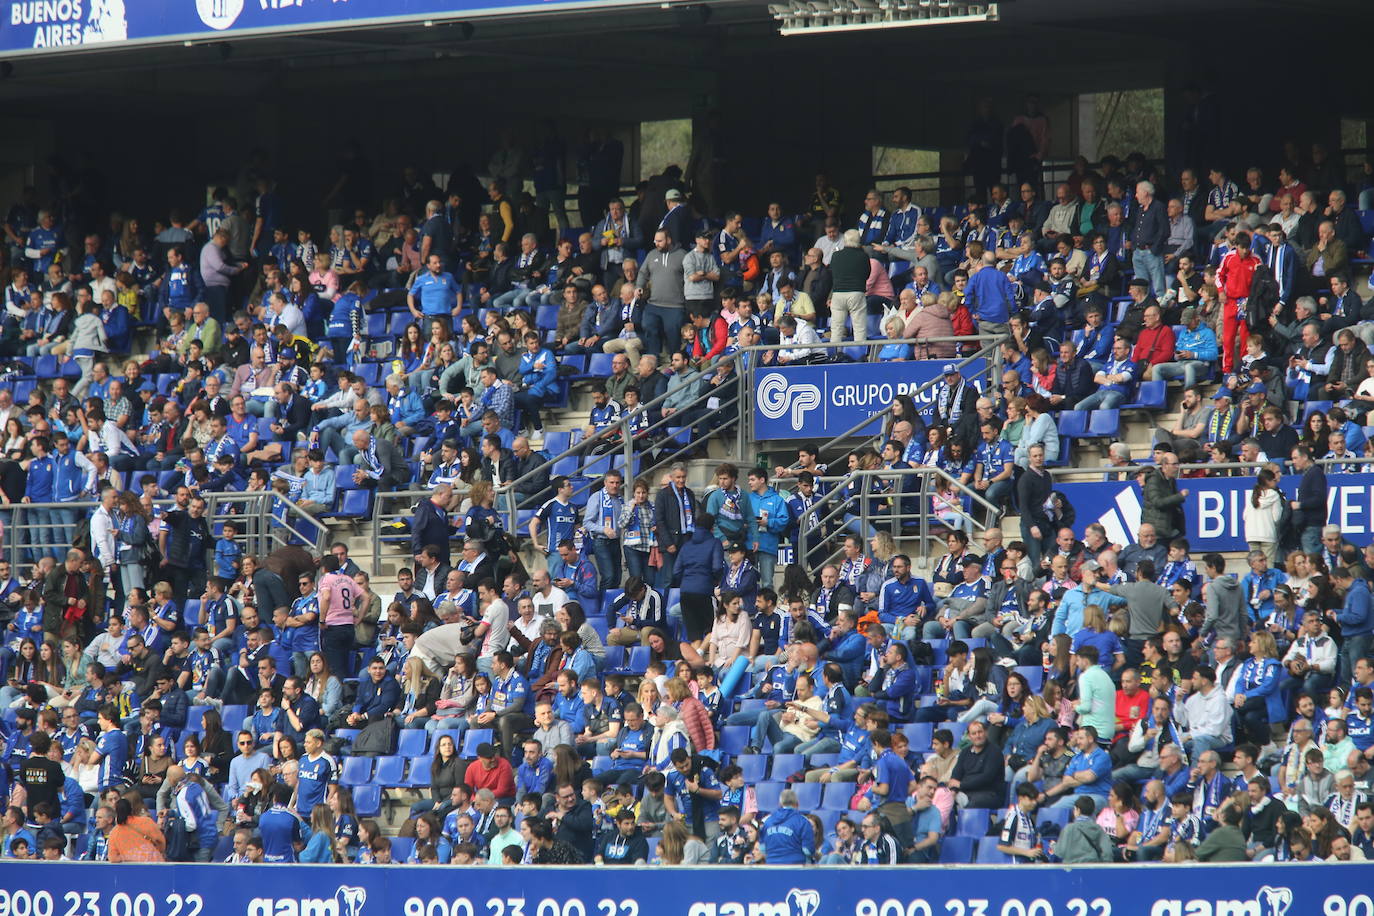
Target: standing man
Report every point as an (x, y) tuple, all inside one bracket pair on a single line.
[(849, 269), (1356, 618), (1149, 238), (663, 284), (217, 272), (674, 520), (338, 598), (1309, 509)]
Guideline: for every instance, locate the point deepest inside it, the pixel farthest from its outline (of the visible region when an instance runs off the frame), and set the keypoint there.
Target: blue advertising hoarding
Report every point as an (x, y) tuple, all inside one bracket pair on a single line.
[(1215, 507), (818, 402), (42, 26), (37, 889)]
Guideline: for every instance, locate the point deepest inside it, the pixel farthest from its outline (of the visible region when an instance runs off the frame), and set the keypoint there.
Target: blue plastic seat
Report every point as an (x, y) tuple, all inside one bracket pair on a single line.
[(367, 800), (639, 659), (1057, 816), (356, 771), (1150, 395), (599, 366), (956, 850), (918, 735), (1104, 424), (413, 742), (836, 796), (355, 504), (1034, 675), (546, 318), (419, 771), (733, 739), (768, 793), (390, 772), (808, 795), (973, 822), (233, 717), (753, 767), (784, 765), (473, 738), (402, 847), (988, 853), (400, 321), (1073, 424), (615, 658)]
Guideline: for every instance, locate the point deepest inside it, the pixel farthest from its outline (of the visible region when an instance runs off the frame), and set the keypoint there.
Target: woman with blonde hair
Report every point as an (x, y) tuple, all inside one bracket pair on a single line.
[(320, 848), (679, 847), (419, 692), (1258, 701), (1098, 634)]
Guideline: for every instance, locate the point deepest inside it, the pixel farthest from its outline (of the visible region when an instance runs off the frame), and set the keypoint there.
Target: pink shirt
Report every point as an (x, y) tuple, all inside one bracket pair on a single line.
[(343, 598)]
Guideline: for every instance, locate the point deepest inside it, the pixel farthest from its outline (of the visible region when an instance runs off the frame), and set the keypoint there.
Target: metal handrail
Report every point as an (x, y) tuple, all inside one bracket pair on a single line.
[(258, 531), (1133, 468), (990, 350)]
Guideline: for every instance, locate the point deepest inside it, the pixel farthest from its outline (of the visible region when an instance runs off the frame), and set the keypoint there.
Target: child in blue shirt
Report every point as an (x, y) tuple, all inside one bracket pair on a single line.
[(316, 387), (228, 552)]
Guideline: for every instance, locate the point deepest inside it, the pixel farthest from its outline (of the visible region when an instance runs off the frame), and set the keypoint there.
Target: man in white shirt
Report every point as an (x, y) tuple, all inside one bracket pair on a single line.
[(795, 333), (1311, 659), (106, 436), (103, 527), (1205, 714), (547, 597), (493, 633)]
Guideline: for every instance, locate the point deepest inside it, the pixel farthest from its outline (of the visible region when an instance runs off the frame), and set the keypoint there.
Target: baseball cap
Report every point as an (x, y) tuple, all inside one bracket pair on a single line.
[(1091, 565), (1223, 394), (949, 369), (673, 194), (1140, 281), (970, 560), (486, 751), (1256, 388)]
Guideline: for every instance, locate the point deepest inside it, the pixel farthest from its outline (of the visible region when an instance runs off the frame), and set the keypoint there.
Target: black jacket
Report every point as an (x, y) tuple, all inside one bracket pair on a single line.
[(295, 418), (668, 516), (430, 526), (1074, 381), (1151, 228)]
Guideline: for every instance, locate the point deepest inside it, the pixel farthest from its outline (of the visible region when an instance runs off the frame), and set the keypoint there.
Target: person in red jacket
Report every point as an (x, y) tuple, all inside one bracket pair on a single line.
[(1234, 276), (1155, 344), (709, 341), (490, 771)]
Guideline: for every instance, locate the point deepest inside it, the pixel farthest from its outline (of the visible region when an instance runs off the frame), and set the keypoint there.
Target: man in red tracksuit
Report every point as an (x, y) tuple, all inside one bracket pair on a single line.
[(1234, 276)]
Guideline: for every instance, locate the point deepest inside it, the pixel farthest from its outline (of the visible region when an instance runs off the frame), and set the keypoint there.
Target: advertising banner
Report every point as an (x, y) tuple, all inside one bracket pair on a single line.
[(819, 402), (98, 889), (1215, 508), (41, 26)]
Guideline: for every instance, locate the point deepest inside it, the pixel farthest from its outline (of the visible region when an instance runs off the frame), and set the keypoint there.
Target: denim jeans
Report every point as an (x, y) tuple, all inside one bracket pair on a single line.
[(607, 554), (1150, 266), (1353, 649), (1101, 400), (662, 328), (1188, 369)]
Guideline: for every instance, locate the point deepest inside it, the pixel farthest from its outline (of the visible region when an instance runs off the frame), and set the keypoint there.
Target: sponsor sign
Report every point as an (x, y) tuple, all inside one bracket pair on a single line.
[(817, 402), (44, 26), (80, 889)]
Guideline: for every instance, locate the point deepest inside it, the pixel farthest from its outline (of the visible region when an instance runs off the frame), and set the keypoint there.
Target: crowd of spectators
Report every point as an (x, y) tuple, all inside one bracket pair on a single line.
[(653, 687)]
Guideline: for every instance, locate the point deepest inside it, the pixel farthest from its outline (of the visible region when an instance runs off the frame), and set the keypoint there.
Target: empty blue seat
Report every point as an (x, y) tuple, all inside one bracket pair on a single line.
[(355, 504), (1150, 395), (233, 717), (402, 847), (400, 321), (420, 771), (367, 800), (768, 793), (556, 443), (733, 739), (784, 765), (956, 850), (45, 366), (639, 659), (191, 613), (356, 771), (988, 853), (754, 767), (376, 324), (413, 742), (193, 716), (973, 822), (918, 734), (1104, 424), (1057, 816), (816, 761), (391, 772), (599, 366), (546, 318), (808, 795), (474, 737), (615, 658), (837, 795), (1073, 423)]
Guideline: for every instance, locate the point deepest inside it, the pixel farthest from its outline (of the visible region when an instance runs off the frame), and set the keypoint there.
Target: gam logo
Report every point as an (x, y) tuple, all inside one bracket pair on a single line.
[(1269, 901), (347, 901), (798, 903)]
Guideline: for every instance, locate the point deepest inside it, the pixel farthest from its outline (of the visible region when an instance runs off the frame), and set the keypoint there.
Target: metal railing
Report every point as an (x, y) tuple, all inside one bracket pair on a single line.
[(262, 531), (989, 351)]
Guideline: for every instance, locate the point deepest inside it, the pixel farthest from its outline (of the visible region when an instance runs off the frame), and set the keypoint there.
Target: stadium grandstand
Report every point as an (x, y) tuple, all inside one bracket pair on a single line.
[(492, 497)]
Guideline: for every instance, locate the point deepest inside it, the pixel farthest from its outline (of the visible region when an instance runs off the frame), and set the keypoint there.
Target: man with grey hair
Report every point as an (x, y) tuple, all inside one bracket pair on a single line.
[(849, 270), (1119, 456), (1150, 237)]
